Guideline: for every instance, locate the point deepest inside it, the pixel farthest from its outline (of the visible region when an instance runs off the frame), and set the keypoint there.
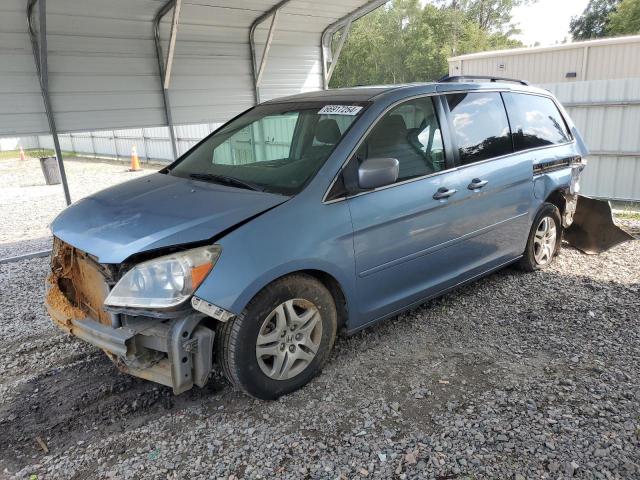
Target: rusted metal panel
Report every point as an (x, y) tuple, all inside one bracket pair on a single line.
[(81, 283), (593, 230)]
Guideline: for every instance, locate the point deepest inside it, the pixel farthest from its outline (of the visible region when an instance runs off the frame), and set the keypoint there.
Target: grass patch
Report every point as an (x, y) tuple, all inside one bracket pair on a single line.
[(628, 215), (626, 210), (33, 153)]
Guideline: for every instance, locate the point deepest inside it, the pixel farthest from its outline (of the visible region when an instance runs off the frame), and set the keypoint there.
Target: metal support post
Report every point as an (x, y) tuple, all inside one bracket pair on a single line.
[(164, 79), (258, 70), (39, 47), (327, 37)]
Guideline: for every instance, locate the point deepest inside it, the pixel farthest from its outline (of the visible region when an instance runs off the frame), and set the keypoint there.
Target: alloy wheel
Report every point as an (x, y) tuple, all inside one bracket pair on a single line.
[(544, 241), (289, 339)]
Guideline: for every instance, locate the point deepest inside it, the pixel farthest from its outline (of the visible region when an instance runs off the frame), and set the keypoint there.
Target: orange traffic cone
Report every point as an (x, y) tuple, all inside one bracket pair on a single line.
[(22, 156), (135, 163)]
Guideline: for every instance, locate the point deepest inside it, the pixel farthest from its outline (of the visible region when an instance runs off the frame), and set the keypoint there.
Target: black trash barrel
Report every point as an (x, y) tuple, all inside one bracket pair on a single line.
[(50, 170)]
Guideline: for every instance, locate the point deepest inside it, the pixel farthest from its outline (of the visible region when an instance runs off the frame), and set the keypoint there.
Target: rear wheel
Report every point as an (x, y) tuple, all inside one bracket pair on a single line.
[(282, 339), (544, 239)]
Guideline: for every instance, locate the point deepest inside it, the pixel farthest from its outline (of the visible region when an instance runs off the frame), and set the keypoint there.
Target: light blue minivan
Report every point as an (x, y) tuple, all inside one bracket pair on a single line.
[(309, 214)]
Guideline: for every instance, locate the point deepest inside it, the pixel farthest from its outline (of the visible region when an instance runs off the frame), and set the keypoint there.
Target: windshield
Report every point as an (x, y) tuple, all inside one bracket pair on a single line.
[(274, 148)]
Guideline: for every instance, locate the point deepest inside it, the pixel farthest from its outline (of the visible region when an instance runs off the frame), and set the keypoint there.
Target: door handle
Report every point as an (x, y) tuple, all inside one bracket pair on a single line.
[(476, 184), (443, 192)]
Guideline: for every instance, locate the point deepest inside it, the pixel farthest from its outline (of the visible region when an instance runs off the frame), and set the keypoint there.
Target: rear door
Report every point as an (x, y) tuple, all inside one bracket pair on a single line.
[(497, 184)]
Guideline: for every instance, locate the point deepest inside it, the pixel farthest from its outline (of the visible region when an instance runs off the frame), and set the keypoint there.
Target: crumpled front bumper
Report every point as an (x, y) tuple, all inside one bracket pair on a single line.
[(173, 352)]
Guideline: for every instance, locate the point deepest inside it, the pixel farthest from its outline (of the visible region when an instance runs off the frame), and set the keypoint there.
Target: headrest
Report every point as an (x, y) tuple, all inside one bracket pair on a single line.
[(394, 123), (390, 131), (327, 131)]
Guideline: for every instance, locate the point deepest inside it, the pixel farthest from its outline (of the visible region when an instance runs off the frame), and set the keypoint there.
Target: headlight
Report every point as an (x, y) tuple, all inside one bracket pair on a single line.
[(164, 282)]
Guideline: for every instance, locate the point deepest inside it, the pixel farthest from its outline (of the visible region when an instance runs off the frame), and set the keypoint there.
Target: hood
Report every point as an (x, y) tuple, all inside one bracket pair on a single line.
[(154, 212)]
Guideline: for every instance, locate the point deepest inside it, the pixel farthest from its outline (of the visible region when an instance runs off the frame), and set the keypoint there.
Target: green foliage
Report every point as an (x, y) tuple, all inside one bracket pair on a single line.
[(406, 41), (625, 20), (40, 153), (490, 15), (607, 18), (593, 21)]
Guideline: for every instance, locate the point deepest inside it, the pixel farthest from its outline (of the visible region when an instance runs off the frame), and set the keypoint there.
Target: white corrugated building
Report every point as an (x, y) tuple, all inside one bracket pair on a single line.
[(598, 82)]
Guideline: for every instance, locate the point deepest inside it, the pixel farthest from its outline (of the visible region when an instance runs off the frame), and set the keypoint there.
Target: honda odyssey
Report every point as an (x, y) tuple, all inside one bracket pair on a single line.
[(309, 214)]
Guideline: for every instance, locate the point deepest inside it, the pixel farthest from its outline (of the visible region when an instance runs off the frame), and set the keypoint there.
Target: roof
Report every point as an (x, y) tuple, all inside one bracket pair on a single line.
[(353, 94), (104, 73), (564, 46), (364, 94)]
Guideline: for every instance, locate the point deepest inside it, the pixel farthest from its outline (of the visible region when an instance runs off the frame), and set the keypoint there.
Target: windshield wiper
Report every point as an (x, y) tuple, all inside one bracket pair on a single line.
[(226, 180)]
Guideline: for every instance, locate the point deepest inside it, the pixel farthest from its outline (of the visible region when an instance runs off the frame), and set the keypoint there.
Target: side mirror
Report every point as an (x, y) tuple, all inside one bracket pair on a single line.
[(378, 172)]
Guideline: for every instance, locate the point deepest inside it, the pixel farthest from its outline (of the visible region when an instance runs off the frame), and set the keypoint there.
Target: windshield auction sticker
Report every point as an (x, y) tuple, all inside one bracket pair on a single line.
[(339, 110)]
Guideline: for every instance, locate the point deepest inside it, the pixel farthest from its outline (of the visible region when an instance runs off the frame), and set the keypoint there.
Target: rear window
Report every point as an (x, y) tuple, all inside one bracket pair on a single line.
[(480, 126), (535, 121)]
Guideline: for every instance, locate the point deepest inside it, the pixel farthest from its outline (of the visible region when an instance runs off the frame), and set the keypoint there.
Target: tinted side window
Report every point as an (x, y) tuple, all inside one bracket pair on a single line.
[(479, 125), (410, 133), (535, 121)]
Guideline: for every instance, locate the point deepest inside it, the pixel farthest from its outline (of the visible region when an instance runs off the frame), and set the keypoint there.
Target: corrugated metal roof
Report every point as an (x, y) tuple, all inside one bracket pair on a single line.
[(103, 71)]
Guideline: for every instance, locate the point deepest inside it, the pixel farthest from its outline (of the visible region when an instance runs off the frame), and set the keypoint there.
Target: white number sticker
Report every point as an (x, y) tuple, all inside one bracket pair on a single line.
[(339, 110)]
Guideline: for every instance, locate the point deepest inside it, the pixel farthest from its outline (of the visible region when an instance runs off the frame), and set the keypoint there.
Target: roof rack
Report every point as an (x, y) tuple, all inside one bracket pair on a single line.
[(460, 78)]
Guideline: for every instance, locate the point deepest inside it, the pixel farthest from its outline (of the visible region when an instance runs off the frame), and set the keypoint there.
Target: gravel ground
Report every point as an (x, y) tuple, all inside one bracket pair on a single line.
[(29, 205), (516, 376)]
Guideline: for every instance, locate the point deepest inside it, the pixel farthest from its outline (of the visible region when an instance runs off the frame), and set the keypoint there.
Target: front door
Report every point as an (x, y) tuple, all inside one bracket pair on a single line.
[(407, 238)]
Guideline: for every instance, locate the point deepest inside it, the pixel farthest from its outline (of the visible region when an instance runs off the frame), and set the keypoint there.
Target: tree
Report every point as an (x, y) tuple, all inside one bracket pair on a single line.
[(593, 21), (410, 40), (625, 20), (493, 16)]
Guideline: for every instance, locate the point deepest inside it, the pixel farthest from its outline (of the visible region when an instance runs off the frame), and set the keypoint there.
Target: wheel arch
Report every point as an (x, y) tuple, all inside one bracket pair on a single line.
[(336, 290), (336, 285), (557, 198)]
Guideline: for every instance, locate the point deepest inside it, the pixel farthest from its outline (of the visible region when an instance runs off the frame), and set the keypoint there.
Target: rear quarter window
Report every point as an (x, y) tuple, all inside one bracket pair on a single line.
[(535, 121)]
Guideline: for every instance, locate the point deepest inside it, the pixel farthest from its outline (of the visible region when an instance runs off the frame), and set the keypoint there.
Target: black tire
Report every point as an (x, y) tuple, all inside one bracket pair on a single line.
[(236, 339), (528, 263)]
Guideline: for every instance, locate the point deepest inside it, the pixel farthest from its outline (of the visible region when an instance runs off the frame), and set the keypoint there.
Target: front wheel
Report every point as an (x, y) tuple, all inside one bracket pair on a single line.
[(544, 239), (282, 339)]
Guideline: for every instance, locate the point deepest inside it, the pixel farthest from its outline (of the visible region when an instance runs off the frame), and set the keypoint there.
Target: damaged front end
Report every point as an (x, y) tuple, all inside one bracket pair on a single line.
[(172, 347)]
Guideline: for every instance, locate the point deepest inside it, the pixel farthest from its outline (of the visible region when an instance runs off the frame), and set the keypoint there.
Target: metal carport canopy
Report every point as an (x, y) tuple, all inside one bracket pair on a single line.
[(70, 65), (102, 70)]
